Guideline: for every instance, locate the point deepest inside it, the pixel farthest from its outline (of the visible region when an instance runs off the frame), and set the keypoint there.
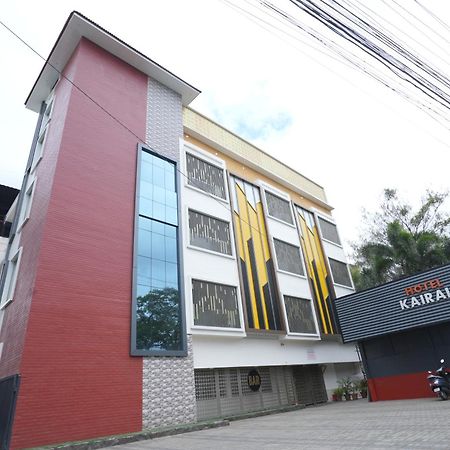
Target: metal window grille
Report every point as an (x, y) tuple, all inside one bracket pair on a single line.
[(329, 231), (215, 305), (300, 315), (209, 233), (278, 208), (288, 257), (205, 176), (340, 273), (225, 392)]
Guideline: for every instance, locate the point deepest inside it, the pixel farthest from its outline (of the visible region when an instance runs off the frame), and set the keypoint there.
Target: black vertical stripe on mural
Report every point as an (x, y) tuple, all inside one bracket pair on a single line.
[(248, 300), (275, 301), (330, 303), (335, 316), (321, 296), (259, 300), (362, 352), (268, 303), (317, 301)]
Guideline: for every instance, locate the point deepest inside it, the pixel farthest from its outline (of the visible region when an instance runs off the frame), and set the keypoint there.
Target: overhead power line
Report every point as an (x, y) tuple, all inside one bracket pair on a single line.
[(113, 117), (364, 40)]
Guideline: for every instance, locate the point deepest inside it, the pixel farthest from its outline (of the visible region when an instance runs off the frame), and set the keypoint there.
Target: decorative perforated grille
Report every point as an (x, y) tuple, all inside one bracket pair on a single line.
[(288, 257), (225, 392), (300, 315), (278, 208), (205, 384), (329, 231), (340, 273), (309, 384), (205, 176), (209, 233), (215, 305)]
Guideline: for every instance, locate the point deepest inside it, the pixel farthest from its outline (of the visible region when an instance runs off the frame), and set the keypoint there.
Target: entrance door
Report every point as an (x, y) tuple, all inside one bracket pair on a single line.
[(309, 384)]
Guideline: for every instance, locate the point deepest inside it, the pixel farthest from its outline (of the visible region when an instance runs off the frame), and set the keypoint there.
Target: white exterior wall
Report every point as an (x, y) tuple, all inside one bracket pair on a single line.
[(289, 284), (3, 245), (334, 372), (222, 348), (201, 264), (335, 251), (219, 351)]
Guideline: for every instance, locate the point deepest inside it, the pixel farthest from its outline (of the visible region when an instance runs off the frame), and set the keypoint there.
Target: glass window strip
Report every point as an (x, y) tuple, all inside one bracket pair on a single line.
[(158, 314)]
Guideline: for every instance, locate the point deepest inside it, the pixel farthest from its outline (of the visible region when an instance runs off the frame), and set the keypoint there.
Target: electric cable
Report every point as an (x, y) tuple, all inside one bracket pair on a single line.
[(118, 121), (434, 16), (374, 50), (429, 110)]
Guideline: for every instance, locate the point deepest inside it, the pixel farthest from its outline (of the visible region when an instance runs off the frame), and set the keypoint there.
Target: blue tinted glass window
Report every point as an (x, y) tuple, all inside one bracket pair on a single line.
[(171, 215), (159, 211), (171, 249), (146, 171), (157, 189), (159, 228), (158, 318), (158, 270), (170, 231), (144, 243), (144, 269), (159, 194), (158, 247), (158, 176), (146, 189), (171, 272), (146, 207), (171, 199)]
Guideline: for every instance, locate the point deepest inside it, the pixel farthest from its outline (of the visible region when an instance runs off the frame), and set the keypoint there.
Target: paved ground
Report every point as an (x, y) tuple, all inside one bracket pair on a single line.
[(404, 424)]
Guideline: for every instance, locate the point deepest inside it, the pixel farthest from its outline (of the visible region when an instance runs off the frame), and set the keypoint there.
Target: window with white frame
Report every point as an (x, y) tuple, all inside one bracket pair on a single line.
[(26, 204), (209, 233), (329, 231), (300, 315), (288, 257), (278, 208), (215, 305), (205, 176), (340, 273), (12, 270), (39, 149)]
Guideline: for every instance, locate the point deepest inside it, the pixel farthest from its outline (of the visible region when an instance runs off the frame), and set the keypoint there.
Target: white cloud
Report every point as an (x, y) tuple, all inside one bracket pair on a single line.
[(331, 124)]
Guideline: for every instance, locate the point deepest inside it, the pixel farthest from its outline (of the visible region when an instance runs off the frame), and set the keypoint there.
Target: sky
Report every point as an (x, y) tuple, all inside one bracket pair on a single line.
[(331, 123)]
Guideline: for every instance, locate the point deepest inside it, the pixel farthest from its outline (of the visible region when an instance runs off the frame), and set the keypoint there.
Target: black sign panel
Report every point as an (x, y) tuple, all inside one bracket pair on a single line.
[(411, 302), (8, 395), (254, 380)]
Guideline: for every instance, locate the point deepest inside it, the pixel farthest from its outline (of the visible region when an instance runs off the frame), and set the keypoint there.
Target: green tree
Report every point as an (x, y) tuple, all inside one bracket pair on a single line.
[(158, 320), (401, 241)]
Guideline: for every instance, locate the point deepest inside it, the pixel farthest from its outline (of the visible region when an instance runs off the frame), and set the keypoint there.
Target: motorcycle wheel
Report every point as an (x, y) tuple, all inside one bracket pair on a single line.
[(443, 395)]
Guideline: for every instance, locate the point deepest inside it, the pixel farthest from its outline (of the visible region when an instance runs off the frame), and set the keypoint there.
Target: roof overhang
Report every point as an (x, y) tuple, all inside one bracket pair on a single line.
[(78, 26)]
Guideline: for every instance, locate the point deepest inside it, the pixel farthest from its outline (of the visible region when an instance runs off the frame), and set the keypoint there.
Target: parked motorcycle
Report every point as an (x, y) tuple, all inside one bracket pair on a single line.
[(440, 382)]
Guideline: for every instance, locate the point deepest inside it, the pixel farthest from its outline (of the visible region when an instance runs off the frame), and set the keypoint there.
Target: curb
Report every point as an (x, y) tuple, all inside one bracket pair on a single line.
[(264, 412), (108, 441)]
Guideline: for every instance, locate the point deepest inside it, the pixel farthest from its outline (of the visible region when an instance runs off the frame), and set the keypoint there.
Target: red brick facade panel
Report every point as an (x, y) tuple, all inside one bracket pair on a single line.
[(78, 379)]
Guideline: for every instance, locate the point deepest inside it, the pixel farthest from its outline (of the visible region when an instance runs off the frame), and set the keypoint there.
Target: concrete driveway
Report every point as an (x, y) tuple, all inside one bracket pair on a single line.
[(403, 424)]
